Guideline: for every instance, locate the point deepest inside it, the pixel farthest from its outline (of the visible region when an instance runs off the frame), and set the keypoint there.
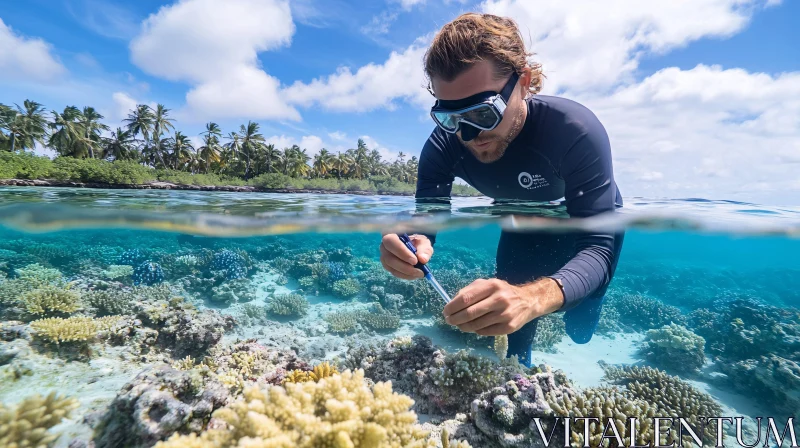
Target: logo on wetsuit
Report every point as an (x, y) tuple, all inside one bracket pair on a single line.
[(530, 182)]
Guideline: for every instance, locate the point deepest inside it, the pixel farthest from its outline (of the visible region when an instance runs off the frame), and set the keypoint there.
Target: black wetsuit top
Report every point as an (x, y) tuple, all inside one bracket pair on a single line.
[(561, 154)]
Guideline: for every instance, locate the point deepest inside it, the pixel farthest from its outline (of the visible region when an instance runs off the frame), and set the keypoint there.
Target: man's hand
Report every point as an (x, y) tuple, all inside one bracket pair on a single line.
[(399, 261), (494, 307)]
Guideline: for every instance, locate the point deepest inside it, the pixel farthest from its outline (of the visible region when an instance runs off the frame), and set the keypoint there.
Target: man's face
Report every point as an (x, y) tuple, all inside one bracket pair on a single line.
[(488, 146)]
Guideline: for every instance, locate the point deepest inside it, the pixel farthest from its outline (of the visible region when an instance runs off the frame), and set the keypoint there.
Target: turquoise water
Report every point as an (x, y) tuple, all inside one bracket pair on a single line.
[(707, 292)]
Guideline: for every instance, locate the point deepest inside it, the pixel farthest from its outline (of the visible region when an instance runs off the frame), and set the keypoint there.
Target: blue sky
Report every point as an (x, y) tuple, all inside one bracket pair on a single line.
[(700, 99)]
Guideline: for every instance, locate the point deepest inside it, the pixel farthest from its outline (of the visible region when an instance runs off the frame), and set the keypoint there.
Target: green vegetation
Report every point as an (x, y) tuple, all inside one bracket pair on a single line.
[(148, 149)]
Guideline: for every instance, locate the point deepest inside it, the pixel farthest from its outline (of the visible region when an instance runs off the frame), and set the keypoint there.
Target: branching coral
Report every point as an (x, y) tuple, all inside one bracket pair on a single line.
[(338, 411), (501, 346), (111, 301), (770, 378), (376, 319), (50, 300), (233, 264), (73, 329), (288, 305), (670, 394), (674, 348), (342, 321), (549, 331), (319, 372), (26, 425), (346, 288), (639, 312), (601, 406), (118, 271)]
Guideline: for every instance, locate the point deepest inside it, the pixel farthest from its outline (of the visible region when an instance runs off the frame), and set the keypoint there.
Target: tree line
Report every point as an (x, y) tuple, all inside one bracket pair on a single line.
[(148, 137)]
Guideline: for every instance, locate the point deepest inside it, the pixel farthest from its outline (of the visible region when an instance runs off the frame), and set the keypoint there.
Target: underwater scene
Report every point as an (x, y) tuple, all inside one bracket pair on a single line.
[(138, 318)]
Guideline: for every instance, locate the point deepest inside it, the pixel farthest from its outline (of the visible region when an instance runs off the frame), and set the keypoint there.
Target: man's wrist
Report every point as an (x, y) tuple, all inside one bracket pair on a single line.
[(546, 294)]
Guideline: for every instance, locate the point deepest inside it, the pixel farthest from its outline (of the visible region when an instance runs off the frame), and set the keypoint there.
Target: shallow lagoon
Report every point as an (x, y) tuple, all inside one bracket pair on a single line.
[(152, 323)]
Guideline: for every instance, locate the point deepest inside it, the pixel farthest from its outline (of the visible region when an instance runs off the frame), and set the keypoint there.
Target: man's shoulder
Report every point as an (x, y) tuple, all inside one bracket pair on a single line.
[(563, 117)]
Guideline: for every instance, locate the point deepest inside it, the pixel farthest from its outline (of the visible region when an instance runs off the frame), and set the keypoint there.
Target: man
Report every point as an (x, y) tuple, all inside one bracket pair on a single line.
[(497, 134)]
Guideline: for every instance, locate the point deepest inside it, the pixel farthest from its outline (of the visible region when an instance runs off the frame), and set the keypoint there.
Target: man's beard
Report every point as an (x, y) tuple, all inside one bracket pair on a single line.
[(497, 146), (492, 153)]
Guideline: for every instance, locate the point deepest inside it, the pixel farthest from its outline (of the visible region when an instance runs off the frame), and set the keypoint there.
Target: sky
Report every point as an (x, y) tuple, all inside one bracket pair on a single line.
[(700, 98)]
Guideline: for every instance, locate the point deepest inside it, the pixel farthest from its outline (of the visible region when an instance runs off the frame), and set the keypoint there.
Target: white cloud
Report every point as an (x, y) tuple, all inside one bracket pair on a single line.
[(27, 59), (367, 88), (380, 24), (123, 104), (585, 45), (337, 135), (409, 4), (216, 50), (387, 154), (724, 131)]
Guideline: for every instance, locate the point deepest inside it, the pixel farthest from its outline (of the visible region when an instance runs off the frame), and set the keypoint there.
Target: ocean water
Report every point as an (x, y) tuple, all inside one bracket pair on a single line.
[(152, 309)]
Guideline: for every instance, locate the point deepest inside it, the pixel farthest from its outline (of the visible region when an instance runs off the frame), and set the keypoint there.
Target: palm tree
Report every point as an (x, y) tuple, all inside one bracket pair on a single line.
[(91, 126), (233, 150), (67, 136), (182, 150), (322, 163), (271, 153), (341, 163), (250, 139), (298, 164), (119, 146), (161, 125), (25, 125), (210, 151), (140, 121)]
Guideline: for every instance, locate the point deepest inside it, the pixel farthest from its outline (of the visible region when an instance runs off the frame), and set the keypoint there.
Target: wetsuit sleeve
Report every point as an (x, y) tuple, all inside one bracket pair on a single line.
[(434, 180), (589, 190)]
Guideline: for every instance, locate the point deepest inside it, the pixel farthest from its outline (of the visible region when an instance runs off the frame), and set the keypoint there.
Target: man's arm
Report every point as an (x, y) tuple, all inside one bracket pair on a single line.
[(434, 180), (590, 190)]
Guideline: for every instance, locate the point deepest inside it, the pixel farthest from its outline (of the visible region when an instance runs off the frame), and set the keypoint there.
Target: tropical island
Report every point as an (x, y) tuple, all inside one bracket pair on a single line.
[(148, 152)]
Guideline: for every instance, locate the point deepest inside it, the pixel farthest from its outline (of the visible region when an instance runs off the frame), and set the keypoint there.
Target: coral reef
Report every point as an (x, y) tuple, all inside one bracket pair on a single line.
[(27, 424), (341, 410), (156, 404), (670, 394), (549, 332), (234, 291), (501, 346), (132, 257), (118, 271), (111, 301), (181, 328), (346, 288), (741, 328), (439, 382), (769, 379), (50, 300), (72, 329), (674, 348), (148, 273), (376, 319), (319, 372), (640, 313), (288, 305), (233, 264)]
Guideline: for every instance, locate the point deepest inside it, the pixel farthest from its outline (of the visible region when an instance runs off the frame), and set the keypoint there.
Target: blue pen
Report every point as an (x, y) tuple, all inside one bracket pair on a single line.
[(425, 270)]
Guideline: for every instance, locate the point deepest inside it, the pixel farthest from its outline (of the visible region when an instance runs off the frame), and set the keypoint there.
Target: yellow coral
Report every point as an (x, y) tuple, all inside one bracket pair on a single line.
[(297, 376), (338, 411), (321, 371), (26, 425), (501, 346), (58, 330), (184, 364), (51, 299)]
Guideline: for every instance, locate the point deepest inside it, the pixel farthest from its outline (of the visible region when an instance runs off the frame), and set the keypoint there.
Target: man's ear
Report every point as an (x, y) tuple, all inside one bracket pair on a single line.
[(525, 81)]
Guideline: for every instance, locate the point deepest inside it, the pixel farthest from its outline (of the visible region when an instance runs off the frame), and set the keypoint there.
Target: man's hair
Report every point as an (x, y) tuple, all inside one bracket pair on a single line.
[(471, 38)]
